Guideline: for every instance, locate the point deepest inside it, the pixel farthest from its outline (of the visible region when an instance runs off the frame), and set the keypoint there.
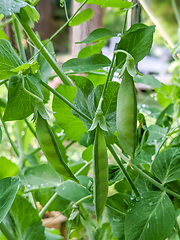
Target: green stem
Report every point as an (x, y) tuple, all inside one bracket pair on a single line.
[(44, 209), (30, 127), (123, 170), (49, 58), (6, 232), (70, 144), (3, 81), (66, 101), (82, 199), (19, 40), (154, 182), (85, 166), (35, 2), (175, 8), (6, 22), (65, 9), (20, 143), (125, 22), (35, 151), (8, 136)]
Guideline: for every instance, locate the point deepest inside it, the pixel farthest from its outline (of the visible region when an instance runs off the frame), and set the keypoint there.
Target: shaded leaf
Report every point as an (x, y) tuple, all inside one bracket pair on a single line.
[(148, 80)]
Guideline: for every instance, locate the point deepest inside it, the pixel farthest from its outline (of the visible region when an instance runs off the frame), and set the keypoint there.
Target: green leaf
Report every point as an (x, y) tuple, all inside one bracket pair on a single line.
[(8, 59), (166, 166), (97, 78), (8, 189), (137, 41), (116, 210), (90, 50), (29, 14), (73, 127), (72, 191), (27, 221), (53, 234), (41, 176), (148, 80), (156, 132), (11, 6), (164, 117), (81, 17), (33, 66), (7, 168), (142, 158), (79, 65), (109, 3), (20, 104), (148, 218), (98, 34)]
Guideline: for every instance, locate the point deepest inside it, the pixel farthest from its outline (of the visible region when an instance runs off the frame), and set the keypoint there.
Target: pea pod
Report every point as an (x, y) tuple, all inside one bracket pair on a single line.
[(126, 115), (100, 172), (50, 148)]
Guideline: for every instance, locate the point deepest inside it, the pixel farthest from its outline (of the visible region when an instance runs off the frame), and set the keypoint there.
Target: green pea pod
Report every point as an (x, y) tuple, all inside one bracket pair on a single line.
[(100, 172), (50, 148), (126, 115)]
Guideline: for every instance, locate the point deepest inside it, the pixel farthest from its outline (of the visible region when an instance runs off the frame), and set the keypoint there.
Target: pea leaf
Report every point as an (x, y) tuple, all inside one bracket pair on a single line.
[(20, 104), (53, 234), (90, 50), (73, 127), (109, 3), (11, 6), (8, 59), (98, 35), (142, 158), (116, 210), (7, 168), (166, 166), (41, 176), (150, 211), (137, 41), (26, 227), (8, 189), (148, 80), (156, 132), (94, 62), (72, 191), (81, 17)]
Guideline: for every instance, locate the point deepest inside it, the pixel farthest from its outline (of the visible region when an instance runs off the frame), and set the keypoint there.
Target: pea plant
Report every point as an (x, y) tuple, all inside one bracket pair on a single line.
[(123, 182)]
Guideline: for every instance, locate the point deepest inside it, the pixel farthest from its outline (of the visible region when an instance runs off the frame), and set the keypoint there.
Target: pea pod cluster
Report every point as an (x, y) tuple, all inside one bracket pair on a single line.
[(126, 115), (50, 148), (100, 172)]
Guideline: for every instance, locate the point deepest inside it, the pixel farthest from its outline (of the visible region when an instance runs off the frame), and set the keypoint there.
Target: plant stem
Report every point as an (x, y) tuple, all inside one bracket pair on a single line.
[(6, 22), (162, 32), (30, 127), (35, 2), (125, 22), (66, 101), (20, 143), (65, 9), (19, 40), (80, 170), (154, 182), (82, 199), (8, 135), (70, 144), (44, 209), (6, 232), (123, 170), (49, 58), (175, 8), (3, 81)]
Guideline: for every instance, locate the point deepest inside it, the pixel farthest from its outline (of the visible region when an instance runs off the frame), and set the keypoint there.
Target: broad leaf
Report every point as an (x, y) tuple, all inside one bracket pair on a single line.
[(41, 176), (142, 158), (72, 191), (53, 234), (166, 166), (27, 221), (11, 6), (8, 189), (20, 103), (109, 3), (148, 80), (153, 217), (98, 34), (73, 127), (156, 132), (116, 210), (90, 50), (8, 59), (7, 168), (97, 78), (81, 17), (137, 41), (79, 65)]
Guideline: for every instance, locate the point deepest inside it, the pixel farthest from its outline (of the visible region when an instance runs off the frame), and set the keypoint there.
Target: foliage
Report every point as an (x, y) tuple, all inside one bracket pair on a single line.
[(131, 191)]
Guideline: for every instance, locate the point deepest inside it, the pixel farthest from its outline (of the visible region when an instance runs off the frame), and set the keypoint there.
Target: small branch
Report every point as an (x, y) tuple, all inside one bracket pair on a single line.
[(80, 170), (19, 40), (82, 199), (123, 170), (30, 127), (44, 209), (8, 136), (66, 101), (6, 23), (6, 232)]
